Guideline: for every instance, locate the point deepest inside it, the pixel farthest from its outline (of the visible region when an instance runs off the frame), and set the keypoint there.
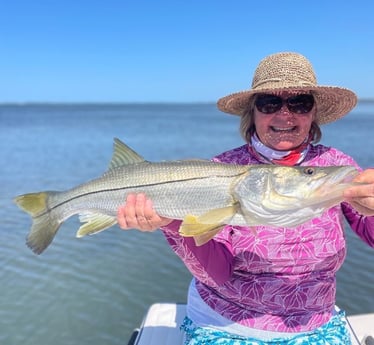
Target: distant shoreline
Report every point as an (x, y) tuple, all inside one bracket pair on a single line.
[(366, 100), (99, 103)]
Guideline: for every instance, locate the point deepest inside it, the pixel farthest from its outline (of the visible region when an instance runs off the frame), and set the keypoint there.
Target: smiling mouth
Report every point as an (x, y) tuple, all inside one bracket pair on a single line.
[(283, 130)]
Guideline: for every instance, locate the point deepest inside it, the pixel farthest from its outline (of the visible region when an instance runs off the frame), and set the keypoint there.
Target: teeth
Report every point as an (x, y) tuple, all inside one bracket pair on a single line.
[(283, 129)]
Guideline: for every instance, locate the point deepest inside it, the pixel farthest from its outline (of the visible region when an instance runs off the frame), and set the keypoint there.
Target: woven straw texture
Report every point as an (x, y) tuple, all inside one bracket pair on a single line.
[(293, 72)]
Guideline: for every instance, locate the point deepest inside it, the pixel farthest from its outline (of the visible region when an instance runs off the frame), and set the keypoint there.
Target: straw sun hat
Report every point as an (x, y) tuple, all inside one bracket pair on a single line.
[(291, 71)]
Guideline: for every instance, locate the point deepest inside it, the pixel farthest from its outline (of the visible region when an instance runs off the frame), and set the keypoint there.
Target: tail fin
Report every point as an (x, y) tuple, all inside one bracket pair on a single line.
[(44, 226)]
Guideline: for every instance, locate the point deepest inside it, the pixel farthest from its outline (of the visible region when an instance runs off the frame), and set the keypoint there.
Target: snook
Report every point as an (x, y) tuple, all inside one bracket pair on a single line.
[(205, 195)]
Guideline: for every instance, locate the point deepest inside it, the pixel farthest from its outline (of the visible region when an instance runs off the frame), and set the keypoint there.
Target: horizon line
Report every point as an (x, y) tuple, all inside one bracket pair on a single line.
[(24, 103), (104, 102)]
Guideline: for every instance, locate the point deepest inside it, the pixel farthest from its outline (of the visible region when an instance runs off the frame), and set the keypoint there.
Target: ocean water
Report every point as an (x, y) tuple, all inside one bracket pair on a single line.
[(95, 290)]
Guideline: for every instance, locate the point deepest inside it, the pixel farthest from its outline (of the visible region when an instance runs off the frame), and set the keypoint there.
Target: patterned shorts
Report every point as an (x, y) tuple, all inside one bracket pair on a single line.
[(334, 332)]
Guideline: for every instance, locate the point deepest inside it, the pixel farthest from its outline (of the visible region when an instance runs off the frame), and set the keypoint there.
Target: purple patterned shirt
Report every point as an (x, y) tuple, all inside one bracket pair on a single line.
[(281, 279)]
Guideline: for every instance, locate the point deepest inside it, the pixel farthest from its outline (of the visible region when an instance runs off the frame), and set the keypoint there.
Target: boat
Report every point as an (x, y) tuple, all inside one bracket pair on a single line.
[(161, 324)]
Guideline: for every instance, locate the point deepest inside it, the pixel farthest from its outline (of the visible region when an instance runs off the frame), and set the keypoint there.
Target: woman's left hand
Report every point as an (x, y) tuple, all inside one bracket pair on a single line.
[(361, 197)]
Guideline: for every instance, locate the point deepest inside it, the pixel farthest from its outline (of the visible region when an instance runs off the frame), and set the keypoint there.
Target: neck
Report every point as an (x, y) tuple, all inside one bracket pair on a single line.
[(266, 154)]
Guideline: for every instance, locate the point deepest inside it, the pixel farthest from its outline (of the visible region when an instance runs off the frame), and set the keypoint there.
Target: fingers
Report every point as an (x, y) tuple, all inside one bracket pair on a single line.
[(138, 213), (364, 190), (144, 214), (364, 205), (361, 197), (126, 213), (366, 176), (361, 208)]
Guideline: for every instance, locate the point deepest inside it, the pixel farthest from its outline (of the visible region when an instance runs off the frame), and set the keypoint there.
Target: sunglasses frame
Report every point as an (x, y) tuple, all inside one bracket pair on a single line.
[(296, 104)]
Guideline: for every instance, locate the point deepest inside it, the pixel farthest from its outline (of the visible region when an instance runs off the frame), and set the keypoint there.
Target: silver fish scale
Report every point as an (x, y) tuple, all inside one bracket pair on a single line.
[(177, 188), (263, 195)]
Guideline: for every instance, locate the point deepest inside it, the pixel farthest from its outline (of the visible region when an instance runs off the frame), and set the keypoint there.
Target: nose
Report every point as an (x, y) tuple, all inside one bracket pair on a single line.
[(284, 110)]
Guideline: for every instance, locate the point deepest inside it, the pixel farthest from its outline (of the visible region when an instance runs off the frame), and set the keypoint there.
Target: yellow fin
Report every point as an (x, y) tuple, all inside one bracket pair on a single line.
[(191, 227), (201, 233), (94, 223), (206, 226), (218, 215), (44, 224), (202, 239), (33, 203), (122, 155)]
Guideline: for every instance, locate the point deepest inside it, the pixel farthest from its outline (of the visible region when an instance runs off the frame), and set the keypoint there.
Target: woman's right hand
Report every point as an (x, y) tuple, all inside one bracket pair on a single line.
[(138, 213)]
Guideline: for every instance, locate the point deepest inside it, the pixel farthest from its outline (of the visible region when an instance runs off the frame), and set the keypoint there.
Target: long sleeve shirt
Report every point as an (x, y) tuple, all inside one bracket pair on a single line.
[(280, 279)]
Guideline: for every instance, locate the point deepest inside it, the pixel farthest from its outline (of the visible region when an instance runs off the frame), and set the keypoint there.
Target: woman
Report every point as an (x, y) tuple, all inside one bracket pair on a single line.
[(276, 287)]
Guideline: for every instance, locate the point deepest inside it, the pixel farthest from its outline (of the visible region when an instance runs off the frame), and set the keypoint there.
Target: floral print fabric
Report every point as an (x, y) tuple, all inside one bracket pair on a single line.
[(282, 279), (333, 333)]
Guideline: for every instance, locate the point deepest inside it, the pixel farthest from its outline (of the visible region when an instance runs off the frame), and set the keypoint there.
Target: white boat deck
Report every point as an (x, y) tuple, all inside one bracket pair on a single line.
[(162, 321)]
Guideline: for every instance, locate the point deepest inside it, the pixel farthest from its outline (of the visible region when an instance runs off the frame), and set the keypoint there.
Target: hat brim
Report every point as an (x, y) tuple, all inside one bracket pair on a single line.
[(332, 102)]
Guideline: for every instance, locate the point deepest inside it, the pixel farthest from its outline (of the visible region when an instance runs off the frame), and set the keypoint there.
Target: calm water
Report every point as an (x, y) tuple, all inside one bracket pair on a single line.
[(95, 290)]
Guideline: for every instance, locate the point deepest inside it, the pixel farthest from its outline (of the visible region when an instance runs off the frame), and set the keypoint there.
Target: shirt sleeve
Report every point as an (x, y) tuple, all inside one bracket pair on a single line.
[(363, 226), (211, 263)]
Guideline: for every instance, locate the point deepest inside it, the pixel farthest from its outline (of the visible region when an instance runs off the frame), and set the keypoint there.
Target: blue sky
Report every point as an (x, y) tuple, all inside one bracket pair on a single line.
[(174, 51)]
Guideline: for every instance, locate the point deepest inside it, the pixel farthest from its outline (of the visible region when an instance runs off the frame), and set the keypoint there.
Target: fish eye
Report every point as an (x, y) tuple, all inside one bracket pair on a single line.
[(309, 171)]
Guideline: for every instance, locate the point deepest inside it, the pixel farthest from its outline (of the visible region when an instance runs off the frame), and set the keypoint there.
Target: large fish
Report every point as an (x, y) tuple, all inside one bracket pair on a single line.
[(206, 195)]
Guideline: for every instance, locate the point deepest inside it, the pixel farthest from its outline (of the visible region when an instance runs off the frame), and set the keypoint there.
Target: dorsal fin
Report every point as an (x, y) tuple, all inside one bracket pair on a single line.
[(122, 155)]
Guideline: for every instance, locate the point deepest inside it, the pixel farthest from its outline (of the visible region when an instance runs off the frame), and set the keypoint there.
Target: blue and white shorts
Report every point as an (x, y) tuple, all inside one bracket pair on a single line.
[(334, 332)]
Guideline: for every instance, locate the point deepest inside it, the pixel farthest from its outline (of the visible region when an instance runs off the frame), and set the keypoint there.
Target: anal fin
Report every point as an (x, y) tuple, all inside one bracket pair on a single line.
[(94, 223)]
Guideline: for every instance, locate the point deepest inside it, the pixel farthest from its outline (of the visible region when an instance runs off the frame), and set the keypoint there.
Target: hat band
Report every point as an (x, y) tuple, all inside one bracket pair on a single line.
[(299, 83)]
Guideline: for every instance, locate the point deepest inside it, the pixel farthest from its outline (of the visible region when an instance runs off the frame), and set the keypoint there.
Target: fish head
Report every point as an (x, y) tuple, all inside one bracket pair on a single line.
[(303, 186), (288, 196)]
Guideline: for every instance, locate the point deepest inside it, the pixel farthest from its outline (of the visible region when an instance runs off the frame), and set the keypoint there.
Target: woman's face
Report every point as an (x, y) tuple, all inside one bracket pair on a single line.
[(283, 130)]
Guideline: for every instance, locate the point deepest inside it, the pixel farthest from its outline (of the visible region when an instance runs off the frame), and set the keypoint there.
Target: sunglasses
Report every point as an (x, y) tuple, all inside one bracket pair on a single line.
[(298, 104)]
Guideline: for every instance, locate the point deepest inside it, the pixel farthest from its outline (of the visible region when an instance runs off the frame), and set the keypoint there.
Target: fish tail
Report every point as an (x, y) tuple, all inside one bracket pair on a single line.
[(44, 226)]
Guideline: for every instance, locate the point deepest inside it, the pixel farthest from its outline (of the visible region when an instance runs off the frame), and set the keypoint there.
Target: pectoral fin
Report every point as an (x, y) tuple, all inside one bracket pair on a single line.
[(206, 226), (218, 215), (94, 223), (202, 239), (201, 233), (191, 226)]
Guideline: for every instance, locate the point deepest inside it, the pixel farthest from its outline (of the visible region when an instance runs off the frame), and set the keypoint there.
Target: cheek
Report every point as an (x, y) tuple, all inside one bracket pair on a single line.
[(262, 124), (263, 131), (305, 124)]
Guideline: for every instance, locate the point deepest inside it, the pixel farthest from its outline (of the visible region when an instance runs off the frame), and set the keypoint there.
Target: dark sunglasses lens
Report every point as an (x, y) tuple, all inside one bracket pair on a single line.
[(300, 104), (268, 104)]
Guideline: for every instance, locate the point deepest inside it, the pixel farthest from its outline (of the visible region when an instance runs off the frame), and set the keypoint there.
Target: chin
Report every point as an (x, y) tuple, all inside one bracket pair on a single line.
[(285, 146)]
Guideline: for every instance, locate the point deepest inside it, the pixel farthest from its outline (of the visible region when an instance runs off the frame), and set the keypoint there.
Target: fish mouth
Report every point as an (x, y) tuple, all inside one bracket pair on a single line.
[(343, 177), (332, 188)]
